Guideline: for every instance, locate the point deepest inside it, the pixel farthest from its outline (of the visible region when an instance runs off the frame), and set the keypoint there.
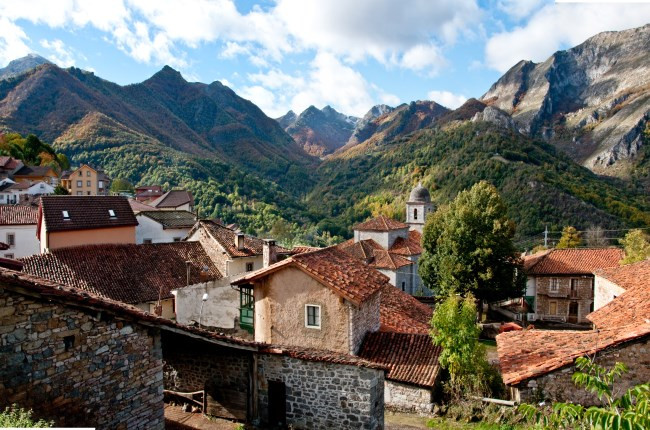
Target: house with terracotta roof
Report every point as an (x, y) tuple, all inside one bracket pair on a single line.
[(139, 275), (18, 227), (148, 193), (68, 221), (394, 247), (560, 284), (539, 363), (328, 300), (86, 181), (9, 166), (174, 200), (158, 226)]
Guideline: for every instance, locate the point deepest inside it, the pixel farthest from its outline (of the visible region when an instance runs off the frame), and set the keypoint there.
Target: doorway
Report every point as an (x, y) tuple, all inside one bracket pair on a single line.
[(573, 312), (277, 404)]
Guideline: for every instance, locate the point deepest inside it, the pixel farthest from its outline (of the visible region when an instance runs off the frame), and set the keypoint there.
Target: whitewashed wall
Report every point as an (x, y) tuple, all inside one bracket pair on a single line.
[(220, 310), (150, 229), (26, 242)]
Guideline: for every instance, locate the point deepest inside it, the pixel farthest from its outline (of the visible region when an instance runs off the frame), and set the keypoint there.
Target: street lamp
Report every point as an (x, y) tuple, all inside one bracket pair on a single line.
[(203, 300)]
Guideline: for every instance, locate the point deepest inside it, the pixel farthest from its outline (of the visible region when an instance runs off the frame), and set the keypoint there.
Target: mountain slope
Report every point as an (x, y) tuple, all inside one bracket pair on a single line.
[(201, 120), (21, 65), (319, 132), (540, 186), (592, 101)]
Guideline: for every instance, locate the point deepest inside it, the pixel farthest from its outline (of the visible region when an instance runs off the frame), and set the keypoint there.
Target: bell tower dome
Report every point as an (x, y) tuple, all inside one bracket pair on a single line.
[(418, 207)]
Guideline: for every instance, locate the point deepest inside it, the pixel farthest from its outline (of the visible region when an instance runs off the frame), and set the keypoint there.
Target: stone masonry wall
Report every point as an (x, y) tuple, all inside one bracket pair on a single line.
[(408, 398), (364, 319), (77, 367), (558, 386), (584, 298), (322, 395)]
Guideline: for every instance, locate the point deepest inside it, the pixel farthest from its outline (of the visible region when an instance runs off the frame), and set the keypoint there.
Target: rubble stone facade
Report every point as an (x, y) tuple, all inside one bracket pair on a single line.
[(556, 295), (78, 367), (408, 398), (557, 386)]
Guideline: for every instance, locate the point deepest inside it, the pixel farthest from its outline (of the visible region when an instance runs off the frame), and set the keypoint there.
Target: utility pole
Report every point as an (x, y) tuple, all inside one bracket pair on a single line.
[(546, 236)]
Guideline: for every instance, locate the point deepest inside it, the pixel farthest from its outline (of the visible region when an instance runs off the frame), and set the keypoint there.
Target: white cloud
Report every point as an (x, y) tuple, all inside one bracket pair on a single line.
[(557, 26), (447, 98), (12, 41), (423, 58), (60, 55), (519, 9)]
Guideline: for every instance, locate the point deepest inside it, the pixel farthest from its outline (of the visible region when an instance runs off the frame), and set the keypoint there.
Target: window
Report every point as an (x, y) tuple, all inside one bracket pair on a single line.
[(100, 185), (555, 284), (249, 267), (88, 173), (177, 239), (80, 193), (246, 308), (66, 216), (11, 239), (574, 288), (312, 316), (88, 192), (111, 213), (403, 286), (9, 255), (81, 173), (146, 241), (552, 308), (415, 213), (80, 184)]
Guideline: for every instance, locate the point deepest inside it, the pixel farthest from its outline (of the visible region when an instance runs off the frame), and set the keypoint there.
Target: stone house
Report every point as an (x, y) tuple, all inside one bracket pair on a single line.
[(560, 284), (539, 364), (68, 221), (18, 230), (141, 275), (86, 181), (84, 360), (174, 200), (159, 226), (328, 300)]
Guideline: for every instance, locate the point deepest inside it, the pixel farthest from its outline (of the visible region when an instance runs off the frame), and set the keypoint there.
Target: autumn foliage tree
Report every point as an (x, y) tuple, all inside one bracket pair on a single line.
[(570, 238), (636, 245), (468, 247)]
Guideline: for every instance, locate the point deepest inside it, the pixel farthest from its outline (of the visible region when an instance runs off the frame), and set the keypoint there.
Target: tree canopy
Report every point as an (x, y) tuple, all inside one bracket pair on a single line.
[(570, 238), (636, 245), (32, 151), (468, 247)]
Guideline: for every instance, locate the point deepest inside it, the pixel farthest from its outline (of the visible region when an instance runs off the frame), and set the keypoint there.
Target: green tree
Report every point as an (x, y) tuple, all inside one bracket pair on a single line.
[(636, 245), (629, 411), (570, 238), (13, 416), (468, 247), (454, 329), (60, 190), (120, 185)]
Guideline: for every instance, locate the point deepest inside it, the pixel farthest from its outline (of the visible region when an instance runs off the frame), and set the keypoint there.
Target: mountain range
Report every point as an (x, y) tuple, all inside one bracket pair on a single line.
[(314, 174)]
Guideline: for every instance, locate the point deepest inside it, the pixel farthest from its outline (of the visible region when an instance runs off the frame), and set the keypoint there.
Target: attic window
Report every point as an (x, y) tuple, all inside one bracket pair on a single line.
[(111, 213), (66, 216)]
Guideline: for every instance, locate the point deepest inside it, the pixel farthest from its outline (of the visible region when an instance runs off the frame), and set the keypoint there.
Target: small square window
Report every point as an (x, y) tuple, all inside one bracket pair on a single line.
[(111, 213), (249, 267), (9, 256), (80, 184), (88, 183), (66, 215), (11, 239), (177, 239), (88, 173), (81, 173), (146, 241), (80, 193), (88, 192), (312, 316)]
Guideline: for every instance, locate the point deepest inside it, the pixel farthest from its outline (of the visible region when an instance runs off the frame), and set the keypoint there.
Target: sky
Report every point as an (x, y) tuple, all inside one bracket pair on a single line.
[(290, 54)]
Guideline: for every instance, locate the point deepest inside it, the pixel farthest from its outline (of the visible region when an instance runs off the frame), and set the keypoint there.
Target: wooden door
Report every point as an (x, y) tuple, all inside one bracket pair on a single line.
[(573, 312)]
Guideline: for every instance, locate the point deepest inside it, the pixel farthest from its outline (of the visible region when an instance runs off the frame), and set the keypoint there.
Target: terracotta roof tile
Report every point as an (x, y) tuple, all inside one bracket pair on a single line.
[(400, 312), (226, 238), (300, 249), (530, 353), (410, 358), (171, 219), (381, 223), (372, 253), (18, 215), (173, 199), (573, 261), (320, 355), (86, 212), (631, 306), (346, 276), (128, 273), (410, 246), (387, 260)]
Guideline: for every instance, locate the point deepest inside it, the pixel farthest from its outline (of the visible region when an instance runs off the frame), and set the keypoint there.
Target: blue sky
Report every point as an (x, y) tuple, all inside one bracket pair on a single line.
[(289, 54)]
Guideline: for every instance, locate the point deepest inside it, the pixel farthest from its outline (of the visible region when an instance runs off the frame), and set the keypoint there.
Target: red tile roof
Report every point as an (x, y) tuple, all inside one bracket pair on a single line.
[(387, 260), (381, 223), (18, 215), (226, 238), (312, 354), (86, 212), (410, 358), (35, 171), (631, 306), (302, 249), (410, 246), (372, 253), (9, 163), (137, 206), (128, 273), (400, 312), (346, 276), (173, 199), (531, 353), (572, 261)]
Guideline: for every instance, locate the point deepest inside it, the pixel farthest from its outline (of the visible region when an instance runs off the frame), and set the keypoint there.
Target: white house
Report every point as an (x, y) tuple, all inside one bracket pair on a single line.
[(18, 230), (159, 226)]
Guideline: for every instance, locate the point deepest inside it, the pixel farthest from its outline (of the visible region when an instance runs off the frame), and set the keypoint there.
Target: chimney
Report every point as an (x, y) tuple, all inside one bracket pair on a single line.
[(269, 253), (239, 241)]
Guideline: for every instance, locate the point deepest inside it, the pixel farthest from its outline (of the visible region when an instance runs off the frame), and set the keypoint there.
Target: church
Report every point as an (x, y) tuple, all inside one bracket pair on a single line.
[(394, 247)]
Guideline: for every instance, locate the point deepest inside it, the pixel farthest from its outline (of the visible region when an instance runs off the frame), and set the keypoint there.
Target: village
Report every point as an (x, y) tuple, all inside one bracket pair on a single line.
[(128, 310)]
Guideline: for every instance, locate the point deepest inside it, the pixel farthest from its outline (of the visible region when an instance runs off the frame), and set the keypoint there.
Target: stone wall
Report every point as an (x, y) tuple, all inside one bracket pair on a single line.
[(407, 398), (558, 386), (363, 319), (77, 367), (584, 297), (212, 248), (323, 395)]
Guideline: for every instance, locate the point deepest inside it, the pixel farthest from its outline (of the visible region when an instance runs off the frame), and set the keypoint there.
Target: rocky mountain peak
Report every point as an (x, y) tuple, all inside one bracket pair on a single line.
[(21, 65)]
